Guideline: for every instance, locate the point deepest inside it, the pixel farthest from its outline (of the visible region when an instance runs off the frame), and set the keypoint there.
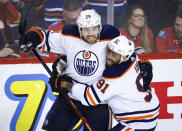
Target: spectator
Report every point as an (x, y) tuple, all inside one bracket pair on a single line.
[(169, 39), (54, 11), (136, 29), (101, 7), (71, 11), (9, 15), (157, 9)]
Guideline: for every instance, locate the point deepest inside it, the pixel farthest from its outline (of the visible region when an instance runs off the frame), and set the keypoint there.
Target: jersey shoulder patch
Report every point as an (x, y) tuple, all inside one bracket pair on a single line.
[(109, 32), (71, 30)]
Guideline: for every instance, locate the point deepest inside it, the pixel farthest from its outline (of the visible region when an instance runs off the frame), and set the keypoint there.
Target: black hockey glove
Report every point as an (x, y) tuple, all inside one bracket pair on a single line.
[(146, 73), (30, 40), (58, 67), (55, 82)]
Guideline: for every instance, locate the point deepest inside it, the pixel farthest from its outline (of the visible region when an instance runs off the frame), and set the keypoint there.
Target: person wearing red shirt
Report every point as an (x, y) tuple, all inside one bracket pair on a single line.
[(169, 39), (9, 15), (136, 29)]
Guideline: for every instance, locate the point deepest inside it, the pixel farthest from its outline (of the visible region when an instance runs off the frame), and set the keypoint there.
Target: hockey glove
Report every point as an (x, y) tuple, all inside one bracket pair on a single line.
[(30, 40), (146, 73), (58, 67), (56, 82)]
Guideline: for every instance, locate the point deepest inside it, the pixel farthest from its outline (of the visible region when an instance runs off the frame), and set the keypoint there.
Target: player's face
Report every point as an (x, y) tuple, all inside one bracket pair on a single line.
[(137, 18), (113, 58), (178, 27), (90, 34), (71, 16)]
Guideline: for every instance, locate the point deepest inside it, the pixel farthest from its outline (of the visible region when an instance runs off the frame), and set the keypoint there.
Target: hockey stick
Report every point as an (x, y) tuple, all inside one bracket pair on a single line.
[(64, 94), (22, 29)]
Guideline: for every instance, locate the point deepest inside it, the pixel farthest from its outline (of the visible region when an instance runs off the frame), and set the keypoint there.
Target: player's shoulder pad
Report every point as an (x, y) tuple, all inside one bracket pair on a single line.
[(71, 30), (116, 71), (109, 32)]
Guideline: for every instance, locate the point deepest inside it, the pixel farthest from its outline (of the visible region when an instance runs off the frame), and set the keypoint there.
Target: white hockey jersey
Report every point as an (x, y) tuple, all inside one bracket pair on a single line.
[(85, 62), (121, 87)]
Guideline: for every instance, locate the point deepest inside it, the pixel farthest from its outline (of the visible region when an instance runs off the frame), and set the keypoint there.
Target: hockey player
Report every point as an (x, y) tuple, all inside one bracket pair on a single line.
[(135, 105), (85, 47)]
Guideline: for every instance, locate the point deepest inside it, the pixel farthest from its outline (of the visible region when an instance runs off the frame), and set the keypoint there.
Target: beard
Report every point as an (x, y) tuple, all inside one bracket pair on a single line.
[(91, 39)]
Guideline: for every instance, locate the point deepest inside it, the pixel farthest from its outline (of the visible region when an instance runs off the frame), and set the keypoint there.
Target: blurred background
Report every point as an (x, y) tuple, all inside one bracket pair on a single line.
[(143, 21)]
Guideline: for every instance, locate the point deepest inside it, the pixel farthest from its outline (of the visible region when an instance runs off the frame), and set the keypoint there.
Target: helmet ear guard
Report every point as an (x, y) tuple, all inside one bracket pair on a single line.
[(122, 46)]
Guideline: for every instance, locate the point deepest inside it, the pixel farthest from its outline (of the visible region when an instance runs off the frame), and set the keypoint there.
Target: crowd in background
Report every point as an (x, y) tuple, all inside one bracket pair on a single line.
[(143, 21)]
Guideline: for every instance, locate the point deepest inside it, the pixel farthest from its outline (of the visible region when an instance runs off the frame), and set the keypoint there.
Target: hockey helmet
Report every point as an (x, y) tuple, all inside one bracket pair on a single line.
[(88, 18), (122, 46)]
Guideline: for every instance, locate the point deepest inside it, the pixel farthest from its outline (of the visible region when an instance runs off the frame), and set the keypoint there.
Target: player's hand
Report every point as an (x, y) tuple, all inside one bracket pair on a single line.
[(59, 65), (146, 73), (29, 40), (66, 86), (56, 82)]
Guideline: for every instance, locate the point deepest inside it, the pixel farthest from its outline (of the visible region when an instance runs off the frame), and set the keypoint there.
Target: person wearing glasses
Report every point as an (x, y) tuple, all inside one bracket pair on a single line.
[(135, 28), (71, 11)]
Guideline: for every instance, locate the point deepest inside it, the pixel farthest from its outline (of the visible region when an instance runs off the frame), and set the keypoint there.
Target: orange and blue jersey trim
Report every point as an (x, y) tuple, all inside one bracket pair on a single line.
[(89, 98), (139, 116)]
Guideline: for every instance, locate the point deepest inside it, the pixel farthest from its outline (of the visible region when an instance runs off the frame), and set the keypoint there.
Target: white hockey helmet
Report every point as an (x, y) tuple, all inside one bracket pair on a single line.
[(88, 18), (122, 46)]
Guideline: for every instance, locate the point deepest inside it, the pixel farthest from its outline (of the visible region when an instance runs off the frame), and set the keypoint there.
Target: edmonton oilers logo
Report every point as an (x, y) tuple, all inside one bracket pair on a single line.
[(86, 63)]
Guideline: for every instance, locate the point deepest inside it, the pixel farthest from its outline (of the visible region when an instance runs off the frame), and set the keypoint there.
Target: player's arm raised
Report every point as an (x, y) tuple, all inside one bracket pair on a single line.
[(32, 39), (41, 39)]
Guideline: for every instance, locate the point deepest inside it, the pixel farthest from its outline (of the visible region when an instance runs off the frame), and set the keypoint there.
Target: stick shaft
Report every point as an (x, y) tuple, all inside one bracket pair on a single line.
[(65, 95)]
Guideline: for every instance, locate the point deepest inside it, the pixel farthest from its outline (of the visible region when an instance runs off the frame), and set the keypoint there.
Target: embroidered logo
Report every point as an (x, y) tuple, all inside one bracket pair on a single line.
[(86, 63)]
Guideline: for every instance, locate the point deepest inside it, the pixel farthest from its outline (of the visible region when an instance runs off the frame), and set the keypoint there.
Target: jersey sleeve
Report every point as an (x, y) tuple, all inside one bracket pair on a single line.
[(52, 42), (92, 95)]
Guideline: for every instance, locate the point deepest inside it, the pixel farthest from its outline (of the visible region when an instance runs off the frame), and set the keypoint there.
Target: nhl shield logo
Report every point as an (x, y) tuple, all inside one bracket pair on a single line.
[(86, 63)]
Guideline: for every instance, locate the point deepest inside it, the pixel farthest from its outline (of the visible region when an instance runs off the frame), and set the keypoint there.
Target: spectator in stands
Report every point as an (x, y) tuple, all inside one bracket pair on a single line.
[(136, 29), (159, 13), (71, 11), (169, 39), (8, 15), (54, 11), (101, 7)]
